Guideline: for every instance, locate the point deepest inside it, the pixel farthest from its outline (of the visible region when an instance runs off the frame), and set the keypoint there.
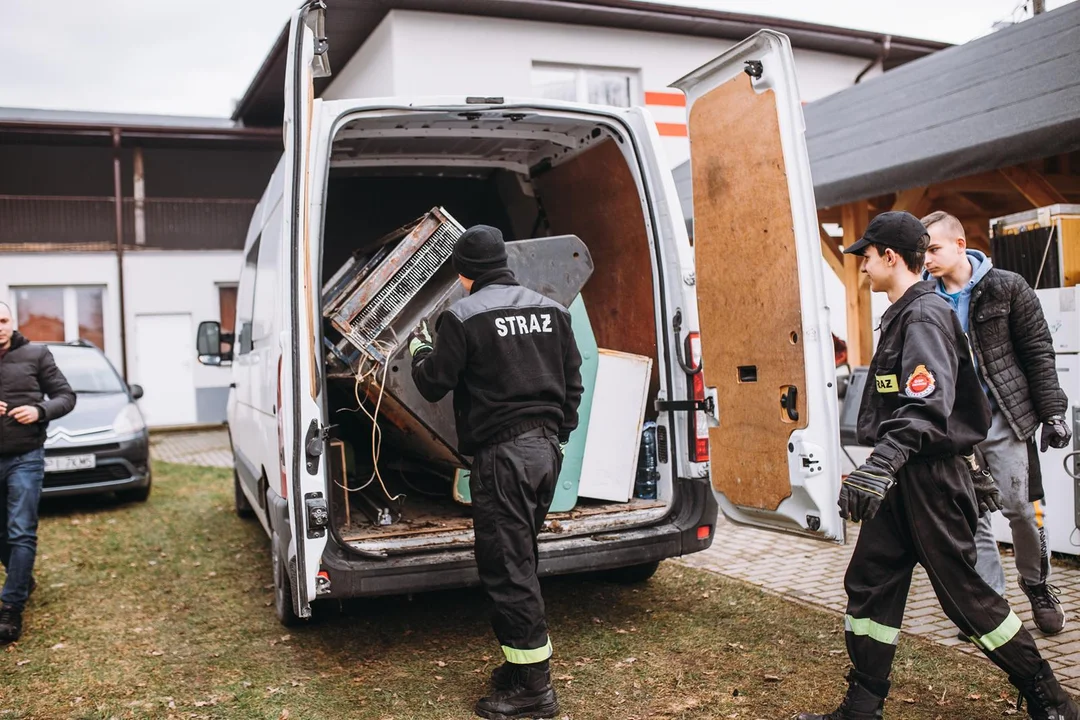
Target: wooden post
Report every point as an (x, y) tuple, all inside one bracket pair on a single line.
[(140, 198), (860, 331)]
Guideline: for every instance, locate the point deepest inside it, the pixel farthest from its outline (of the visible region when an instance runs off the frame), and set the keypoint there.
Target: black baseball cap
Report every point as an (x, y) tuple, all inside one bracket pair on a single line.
[(896, 229)]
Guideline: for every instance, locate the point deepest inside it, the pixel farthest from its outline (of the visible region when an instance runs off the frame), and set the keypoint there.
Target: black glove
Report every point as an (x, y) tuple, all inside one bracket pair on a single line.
[(986, 492), (863, 490), (1055, 433)]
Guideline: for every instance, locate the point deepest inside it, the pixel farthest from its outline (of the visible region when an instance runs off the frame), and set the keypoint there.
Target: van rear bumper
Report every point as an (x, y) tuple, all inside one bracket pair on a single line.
[(353, 576)]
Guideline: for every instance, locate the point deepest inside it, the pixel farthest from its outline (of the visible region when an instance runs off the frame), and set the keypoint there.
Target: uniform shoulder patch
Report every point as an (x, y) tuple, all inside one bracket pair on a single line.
[(921, 382)]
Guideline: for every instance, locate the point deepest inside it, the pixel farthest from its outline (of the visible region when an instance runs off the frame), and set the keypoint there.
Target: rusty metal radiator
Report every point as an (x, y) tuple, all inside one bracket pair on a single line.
[(364, 297)]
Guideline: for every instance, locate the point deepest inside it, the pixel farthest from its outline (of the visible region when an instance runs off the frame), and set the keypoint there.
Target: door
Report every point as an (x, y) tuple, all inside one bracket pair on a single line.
[(766, 343), (299, 413), (164, 352)]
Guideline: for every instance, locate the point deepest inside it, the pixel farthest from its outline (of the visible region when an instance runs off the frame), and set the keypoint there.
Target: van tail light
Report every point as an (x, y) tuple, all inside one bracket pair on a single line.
[(280, 434), (699, 424)]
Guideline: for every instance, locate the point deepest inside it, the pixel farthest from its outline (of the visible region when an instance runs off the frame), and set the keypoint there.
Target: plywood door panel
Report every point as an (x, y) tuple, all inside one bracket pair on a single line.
[(748, 289)]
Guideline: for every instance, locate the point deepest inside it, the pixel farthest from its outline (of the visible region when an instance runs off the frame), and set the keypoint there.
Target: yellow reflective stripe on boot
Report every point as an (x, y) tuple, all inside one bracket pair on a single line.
[(874, 631), (527, 657), (1002, 634)]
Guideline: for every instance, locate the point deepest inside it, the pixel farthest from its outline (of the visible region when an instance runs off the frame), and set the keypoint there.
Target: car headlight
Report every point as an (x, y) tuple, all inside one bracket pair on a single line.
[(129, 420)]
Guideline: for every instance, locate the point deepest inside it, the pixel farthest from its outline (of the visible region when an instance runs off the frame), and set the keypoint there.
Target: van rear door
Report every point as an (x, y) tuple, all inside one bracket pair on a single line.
[(766, 342), (299, 416)]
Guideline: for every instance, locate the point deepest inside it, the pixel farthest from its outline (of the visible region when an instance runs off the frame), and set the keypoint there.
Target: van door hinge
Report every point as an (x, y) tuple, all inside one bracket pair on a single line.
[(315, 444), (318, 515)]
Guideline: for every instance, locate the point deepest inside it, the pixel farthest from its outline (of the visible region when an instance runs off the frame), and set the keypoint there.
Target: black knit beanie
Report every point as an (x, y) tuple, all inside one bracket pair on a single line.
[(478, 250)]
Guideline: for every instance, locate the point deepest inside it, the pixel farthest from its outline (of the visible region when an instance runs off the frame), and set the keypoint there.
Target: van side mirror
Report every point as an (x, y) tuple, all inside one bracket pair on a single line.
[(213, 347), (136, 391)]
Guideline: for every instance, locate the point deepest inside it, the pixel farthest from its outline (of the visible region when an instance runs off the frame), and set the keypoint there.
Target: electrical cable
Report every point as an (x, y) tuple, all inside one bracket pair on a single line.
[(370, 375)]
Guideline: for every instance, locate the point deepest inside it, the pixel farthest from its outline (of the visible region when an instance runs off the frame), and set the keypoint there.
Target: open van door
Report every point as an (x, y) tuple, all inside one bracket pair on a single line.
[(301, 435), (766, 342)]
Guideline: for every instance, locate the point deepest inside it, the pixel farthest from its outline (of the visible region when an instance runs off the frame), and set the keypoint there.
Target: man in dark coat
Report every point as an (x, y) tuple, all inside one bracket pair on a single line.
[(33, 391)]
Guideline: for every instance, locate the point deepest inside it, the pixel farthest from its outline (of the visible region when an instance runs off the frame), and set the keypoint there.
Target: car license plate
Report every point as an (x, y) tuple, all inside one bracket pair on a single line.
[(67, 463)]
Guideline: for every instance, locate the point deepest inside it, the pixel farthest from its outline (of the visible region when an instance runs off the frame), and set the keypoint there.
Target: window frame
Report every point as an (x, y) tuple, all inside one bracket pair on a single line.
[(581, 75), (70, 307)]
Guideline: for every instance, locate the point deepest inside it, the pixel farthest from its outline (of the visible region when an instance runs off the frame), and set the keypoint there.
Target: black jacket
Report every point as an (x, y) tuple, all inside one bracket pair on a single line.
[(510, 357), (922, 396), (1014, 351), (28, 374)]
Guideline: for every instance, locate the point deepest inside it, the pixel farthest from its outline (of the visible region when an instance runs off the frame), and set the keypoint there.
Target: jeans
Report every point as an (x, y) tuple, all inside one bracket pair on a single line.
[(21, 477), (1007, 460)]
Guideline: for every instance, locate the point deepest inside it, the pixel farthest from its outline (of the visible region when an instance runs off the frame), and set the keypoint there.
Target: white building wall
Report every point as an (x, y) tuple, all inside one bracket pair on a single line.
[(440, 54), (157, 283)]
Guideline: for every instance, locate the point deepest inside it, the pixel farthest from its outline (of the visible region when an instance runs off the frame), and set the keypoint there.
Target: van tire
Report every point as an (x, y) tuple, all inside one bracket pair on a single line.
[(243, 507), (633, 574), (283, 600)]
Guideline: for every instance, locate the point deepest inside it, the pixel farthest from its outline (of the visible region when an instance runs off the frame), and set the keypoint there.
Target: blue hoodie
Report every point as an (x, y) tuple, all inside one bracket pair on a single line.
[(961, 301)]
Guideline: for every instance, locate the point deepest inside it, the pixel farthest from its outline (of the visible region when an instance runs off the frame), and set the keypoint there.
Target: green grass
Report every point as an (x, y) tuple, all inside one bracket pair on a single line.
[(163, 610)]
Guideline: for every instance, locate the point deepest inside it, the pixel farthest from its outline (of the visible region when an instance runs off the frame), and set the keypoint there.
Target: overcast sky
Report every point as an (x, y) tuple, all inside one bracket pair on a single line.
[(196, 57)]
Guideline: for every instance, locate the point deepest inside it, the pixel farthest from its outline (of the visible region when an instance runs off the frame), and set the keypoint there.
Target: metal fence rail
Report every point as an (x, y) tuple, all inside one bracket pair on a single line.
[(170, 223)]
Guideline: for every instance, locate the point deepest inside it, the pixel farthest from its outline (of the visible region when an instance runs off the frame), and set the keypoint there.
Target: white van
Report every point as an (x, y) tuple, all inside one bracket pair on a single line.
[(746, 303)]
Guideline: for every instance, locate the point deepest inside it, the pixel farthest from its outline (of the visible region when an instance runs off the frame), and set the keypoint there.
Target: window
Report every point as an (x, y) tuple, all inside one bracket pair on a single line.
[(61, 314), (86, 370), (245, 299), (227, 311), (587, 85)]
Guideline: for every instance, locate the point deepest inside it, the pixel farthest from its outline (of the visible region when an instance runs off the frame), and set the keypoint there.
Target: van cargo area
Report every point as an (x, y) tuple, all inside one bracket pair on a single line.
[(560, 176)]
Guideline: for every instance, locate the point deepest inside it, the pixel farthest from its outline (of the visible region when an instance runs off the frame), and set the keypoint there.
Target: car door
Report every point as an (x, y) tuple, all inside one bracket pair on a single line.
[(300, 430), (766, 342)]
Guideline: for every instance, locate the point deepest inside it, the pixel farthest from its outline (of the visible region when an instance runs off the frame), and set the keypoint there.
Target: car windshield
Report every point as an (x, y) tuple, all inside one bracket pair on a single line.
[(86, 369)]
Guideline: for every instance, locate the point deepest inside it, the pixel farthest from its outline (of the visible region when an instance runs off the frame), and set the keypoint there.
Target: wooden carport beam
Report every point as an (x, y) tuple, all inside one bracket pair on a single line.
[(911, 200), (860, 331), (1033, 186), (831, 251)]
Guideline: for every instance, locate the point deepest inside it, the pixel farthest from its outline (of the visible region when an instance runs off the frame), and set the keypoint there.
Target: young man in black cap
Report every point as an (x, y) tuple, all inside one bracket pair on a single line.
[(918, 495), (510, 358)]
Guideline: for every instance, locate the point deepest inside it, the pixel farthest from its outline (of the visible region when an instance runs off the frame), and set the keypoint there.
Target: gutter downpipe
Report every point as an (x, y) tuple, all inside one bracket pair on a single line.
[(118, 200), (886, 44)]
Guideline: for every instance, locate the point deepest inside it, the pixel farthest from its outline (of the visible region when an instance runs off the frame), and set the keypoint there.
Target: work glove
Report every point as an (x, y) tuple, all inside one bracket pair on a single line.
[(862, 491), (1055, 433), (420, 340), (986, 491)]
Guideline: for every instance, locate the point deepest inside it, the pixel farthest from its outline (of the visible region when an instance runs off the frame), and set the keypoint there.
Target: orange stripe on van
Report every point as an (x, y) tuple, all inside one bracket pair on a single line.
[(665, 98), (671, 129)]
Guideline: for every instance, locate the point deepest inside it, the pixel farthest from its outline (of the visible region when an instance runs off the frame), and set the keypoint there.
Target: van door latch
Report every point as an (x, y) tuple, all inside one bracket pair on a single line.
[(315, 444), (708, 405), (318, 515), (789, 402), (754, 69)]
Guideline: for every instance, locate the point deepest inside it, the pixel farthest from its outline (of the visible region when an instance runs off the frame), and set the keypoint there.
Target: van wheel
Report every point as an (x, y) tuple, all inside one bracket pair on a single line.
[(243, 507), (283, 599), (632, 574), (135, 495)]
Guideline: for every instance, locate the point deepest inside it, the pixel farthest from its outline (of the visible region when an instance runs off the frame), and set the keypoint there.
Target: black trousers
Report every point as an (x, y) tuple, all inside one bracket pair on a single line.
[(929, 517), (512, 485)]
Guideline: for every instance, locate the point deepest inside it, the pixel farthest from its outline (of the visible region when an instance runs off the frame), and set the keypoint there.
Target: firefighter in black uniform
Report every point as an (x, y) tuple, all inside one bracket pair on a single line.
[(918, 496), (510, 358)]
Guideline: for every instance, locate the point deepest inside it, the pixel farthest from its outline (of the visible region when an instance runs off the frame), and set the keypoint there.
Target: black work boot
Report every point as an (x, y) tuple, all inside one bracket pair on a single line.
[(859, 703), (529, 694), (502, 677), (10, 623), (1045, 606), (1045, 698)]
